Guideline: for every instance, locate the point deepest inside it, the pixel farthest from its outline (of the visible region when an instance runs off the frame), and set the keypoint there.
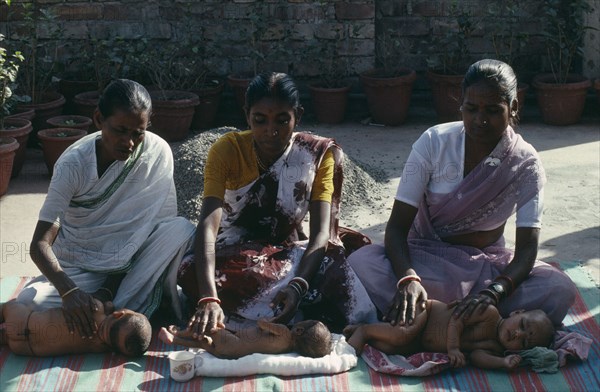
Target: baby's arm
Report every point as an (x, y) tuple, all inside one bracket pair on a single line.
[(455, 329), (487, 360), (273, 328)]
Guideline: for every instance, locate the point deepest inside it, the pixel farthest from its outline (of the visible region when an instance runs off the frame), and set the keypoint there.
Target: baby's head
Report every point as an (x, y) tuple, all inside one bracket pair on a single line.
[(523, 330), (311, 338), (126, 332)]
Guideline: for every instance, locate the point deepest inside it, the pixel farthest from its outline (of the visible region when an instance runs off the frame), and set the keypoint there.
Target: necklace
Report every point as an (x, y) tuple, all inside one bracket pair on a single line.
[(261, 165)]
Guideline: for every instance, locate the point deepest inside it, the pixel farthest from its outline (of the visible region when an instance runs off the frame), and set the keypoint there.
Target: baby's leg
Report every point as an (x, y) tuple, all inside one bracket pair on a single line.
[(391, 339), (183, 338)]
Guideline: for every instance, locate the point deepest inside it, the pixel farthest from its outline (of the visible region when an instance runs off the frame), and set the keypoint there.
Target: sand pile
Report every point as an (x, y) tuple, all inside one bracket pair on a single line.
[(362, 184)]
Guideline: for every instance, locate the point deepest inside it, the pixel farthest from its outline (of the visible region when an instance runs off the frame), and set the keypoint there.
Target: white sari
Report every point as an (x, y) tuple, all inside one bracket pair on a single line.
[(122, 222)]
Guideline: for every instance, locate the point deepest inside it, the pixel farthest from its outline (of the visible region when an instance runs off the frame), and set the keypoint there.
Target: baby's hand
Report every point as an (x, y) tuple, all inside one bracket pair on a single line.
[(457, 358), (512, 361)]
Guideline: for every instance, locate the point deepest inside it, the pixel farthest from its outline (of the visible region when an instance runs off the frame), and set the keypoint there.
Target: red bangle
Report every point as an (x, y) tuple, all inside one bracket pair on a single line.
[(204, 300), (408, 278), (506, 279)]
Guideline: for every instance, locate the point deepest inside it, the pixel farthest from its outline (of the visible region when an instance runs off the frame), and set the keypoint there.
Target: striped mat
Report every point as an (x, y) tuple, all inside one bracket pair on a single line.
[(112, 372)]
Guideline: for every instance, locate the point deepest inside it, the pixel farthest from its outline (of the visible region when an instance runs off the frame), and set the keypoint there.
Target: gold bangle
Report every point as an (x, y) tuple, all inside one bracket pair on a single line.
[(69, 292)]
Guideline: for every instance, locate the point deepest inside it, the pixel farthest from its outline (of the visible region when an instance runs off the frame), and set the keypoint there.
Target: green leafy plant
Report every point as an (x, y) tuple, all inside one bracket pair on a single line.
[(9, 68), (503, 24), (563, 31), (94, 59), (186, 62), (448, 52), (40, 54), (388, 51)]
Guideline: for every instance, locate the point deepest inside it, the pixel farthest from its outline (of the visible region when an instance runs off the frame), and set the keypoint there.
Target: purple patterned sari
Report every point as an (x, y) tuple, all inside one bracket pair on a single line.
[(485, 199)]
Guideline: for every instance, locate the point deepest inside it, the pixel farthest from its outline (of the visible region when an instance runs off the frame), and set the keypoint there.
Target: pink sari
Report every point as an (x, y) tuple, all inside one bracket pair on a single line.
[(486, 197)]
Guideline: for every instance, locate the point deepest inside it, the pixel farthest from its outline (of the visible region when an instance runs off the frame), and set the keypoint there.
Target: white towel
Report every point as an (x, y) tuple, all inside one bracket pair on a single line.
[(341, 359)]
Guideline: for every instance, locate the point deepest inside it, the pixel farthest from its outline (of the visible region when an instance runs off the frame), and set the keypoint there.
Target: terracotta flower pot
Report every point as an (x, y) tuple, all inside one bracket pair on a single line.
[(21, 112), (329, 104), (388, 98), (522, 89), (561, 103), (18, 128), (85, 104), (446, 91), (172, 113), (70, 88), (239, 85), (51, 105), (55, 141), (597, 88), (206, 111), (8, 147), (71, 121)]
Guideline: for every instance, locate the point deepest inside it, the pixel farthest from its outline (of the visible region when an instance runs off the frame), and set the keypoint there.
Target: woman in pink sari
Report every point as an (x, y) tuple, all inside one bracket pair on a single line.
[(444, 239)]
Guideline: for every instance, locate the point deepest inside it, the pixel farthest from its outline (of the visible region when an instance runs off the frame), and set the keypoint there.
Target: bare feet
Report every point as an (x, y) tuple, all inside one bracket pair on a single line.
[(165, 336)]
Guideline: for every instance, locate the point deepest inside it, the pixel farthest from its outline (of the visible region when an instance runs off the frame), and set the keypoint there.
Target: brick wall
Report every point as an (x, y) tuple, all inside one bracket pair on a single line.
[(296, 36)]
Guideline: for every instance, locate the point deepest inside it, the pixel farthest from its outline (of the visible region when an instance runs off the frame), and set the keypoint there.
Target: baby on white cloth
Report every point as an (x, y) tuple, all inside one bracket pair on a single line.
[(309, 338)]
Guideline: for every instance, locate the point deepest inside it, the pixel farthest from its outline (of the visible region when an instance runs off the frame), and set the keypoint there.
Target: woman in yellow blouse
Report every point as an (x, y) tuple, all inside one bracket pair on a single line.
[(251, 256)]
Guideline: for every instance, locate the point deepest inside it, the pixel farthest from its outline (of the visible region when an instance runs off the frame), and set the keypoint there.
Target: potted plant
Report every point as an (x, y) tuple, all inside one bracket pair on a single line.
[(561, 93), (17, 128), (71, 121), (35, 75), (389, 87), (449, 58), (172, 105), (510, 43), (55, 141), (267, 39), (8, 147), (330, 92), (88, 65)]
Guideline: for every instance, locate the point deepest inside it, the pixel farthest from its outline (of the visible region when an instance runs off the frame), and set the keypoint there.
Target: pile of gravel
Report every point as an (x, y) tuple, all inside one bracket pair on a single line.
[(362, 184)]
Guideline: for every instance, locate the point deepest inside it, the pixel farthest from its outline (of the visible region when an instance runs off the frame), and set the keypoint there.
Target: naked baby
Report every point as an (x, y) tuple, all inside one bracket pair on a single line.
[(309, 338), (45, 332), (484, 335)]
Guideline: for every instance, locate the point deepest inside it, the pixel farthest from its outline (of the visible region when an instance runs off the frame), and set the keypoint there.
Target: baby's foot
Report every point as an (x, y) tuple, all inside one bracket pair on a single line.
[(165, 335)]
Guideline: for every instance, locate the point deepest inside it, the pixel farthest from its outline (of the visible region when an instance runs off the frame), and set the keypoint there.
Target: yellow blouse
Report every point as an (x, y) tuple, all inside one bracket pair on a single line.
[(231, 164)]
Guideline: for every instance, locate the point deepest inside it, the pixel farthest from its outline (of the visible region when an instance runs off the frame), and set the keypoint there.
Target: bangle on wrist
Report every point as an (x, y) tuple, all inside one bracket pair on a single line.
[(508, 279), (69, 292), (300, 288), (108, 291), (205, 300), (302, 282), (492, 294), (408, 278)]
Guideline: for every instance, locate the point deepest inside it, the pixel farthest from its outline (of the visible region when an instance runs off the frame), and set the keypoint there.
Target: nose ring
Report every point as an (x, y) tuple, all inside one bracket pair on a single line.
[(275, 132), (484, 122)]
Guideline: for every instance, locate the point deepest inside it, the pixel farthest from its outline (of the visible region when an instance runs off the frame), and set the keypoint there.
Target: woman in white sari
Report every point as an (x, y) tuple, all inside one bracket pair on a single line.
[(108, 227)]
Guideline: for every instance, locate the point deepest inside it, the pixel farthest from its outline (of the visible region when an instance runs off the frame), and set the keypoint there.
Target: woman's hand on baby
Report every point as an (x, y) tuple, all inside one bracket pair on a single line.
[(469, 305), (403, 309), (78, 309), (209, 317), (284, 305)]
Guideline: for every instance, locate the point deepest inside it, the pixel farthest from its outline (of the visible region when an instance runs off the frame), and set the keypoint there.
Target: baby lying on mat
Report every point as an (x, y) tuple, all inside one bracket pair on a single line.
[(309, 338), (45, 333), (485, 335)]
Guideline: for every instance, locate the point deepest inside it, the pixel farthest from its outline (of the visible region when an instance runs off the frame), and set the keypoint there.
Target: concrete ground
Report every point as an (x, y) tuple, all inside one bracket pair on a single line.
[(571, 157)]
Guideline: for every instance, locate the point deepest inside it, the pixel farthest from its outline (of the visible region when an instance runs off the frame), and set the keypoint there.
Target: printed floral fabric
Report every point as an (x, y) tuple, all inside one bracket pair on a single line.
[(260, 242)]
